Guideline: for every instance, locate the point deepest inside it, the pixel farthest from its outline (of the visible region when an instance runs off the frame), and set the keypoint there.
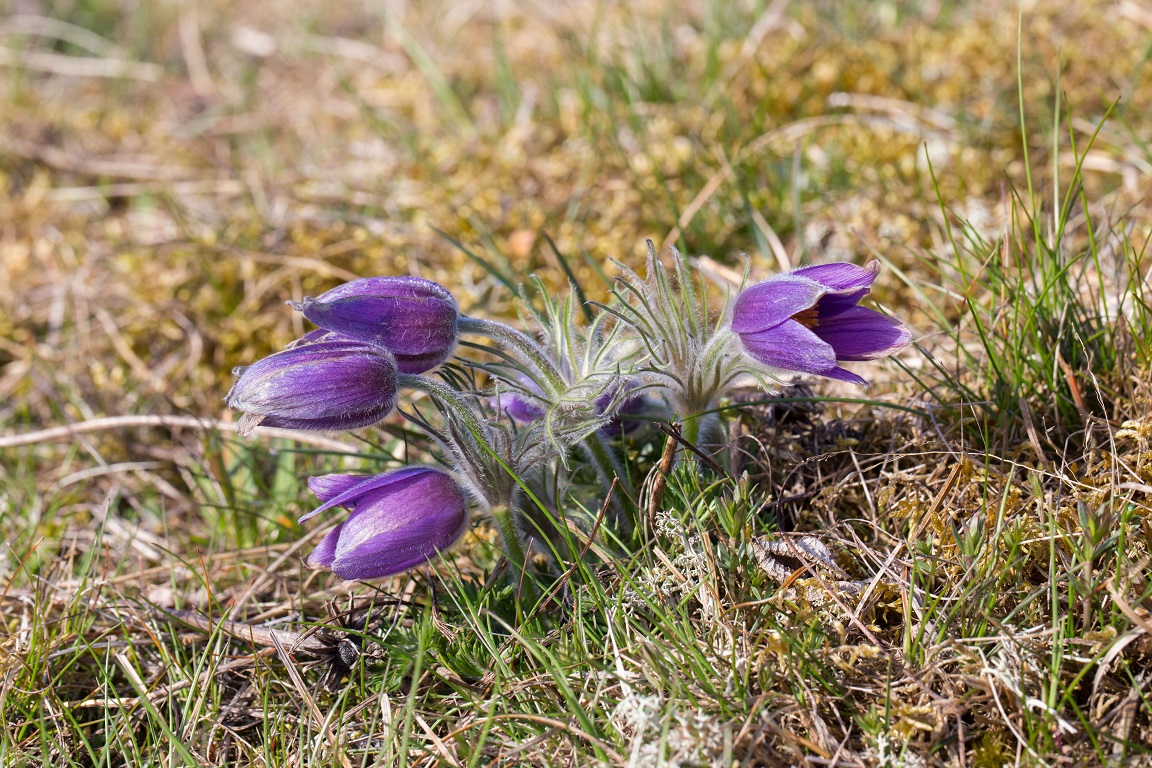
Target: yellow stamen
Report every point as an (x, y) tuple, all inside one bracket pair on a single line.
[(807, 318)]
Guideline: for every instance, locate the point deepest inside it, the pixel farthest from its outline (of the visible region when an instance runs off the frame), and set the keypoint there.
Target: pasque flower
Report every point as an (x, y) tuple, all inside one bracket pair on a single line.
[(808, 320), (413, 318), (399, 520), (564, 393), (327, 385)]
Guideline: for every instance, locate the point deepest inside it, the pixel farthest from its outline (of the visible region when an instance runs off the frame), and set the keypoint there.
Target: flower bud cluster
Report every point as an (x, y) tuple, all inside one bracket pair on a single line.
[(590, 375)]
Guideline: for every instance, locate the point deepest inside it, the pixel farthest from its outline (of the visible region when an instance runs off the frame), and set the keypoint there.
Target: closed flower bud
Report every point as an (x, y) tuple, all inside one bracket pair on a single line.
[(328, 385), (520, 406), (620, 423), (399, 520), (413, 318), (808, 321)]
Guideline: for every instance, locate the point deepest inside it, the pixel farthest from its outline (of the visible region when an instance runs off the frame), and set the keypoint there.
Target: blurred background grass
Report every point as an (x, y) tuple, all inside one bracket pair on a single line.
[(171, 173)]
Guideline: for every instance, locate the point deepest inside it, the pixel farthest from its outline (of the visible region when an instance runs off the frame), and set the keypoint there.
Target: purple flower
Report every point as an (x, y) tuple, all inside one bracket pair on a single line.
[(620, 424), (325, 385), (808, 320), (524, 409), (399, 520), (519, 406), (413, 318)]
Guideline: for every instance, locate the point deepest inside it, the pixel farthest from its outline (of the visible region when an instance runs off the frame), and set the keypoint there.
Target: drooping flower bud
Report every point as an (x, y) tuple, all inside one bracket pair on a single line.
[(620, 423), (519, 405), (329, 385), (413, 318), (399, 520), (808, 321)]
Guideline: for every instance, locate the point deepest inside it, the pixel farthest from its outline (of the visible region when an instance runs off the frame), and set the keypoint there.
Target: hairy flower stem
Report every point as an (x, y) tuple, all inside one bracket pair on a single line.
[(460, 406), (690, 429), (519, 342), (501, 514), (514, 551), (704, 432)]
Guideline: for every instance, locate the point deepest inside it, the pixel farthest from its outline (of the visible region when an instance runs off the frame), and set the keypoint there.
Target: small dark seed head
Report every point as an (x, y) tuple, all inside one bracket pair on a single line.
[(348, 652)]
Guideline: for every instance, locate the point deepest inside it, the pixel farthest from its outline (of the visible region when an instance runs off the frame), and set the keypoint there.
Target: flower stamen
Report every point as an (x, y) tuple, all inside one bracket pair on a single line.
[(807, 318)]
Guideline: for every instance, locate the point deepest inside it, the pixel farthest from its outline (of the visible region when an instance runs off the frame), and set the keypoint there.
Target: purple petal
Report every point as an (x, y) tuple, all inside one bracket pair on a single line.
[(339, 423), (840, 276), (768, 304), (832, 304), (326, 385), (325, 551), (425, 362), (860, 333), (612, 390), (843, 374), (630, 406), (394, 551), (413, 318), (620, 423), (396, 528), (408, 325), (314, 336), (790, 346), (846, 283), (389, 285), (327, 487), (520, 405), (350, 494)]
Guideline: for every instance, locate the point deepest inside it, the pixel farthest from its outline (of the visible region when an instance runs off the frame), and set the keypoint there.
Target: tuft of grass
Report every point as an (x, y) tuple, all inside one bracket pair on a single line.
[(1053, 333)]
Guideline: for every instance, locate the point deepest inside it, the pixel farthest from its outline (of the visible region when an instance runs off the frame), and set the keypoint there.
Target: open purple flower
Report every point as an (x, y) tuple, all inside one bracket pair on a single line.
[(327, 385), (808, 320), (399, 520), (413, 318)]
